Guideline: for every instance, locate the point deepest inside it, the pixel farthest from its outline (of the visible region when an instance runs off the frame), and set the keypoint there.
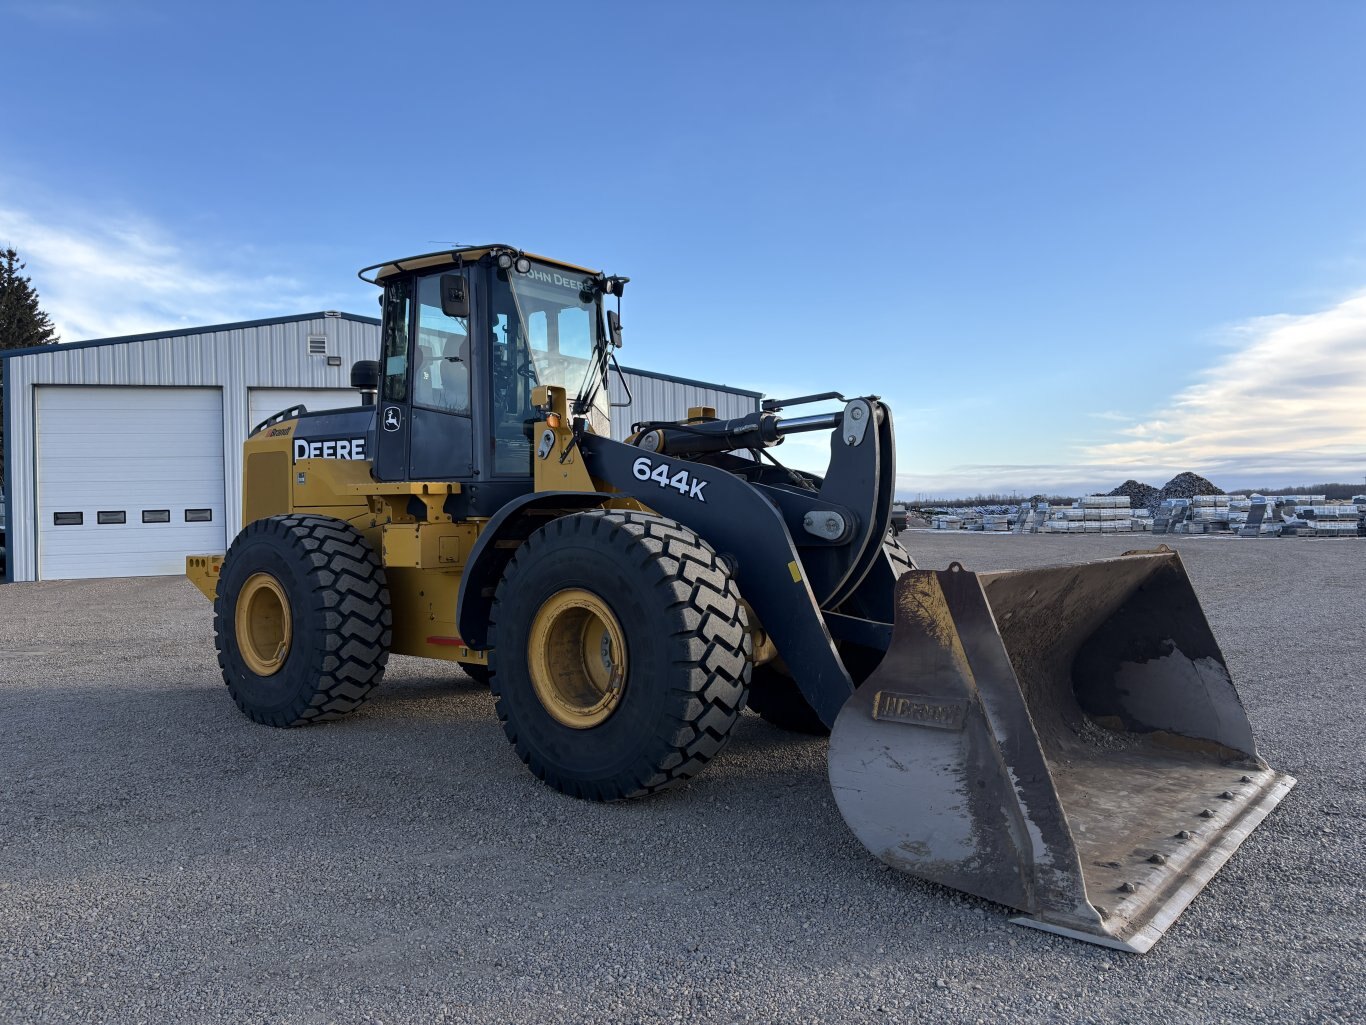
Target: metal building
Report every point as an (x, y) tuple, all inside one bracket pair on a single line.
[(123, 455), (664, 397)]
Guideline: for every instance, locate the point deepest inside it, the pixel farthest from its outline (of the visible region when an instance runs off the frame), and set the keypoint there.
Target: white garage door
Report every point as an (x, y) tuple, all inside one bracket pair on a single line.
[(130, 480), (266, 402)]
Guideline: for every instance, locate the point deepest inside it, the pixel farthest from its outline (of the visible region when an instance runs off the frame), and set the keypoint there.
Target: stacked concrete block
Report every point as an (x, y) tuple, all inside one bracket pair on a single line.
[(1340, 527), (1329, 519), (1063, 520), (1094, 514), (1104, 502), (1210, 509), (1328, 510), (1106, 514)]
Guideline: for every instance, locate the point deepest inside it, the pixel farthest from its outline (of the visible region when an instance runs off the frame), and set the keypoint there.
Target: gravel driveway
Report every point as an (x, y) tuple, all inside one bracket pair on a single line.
[(162, 859)]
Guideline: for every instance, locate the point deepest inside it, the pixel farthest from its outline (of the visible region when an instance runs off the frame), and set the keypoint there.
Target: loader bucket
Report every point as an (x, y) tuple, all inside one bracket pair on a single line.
[(1066, 741)]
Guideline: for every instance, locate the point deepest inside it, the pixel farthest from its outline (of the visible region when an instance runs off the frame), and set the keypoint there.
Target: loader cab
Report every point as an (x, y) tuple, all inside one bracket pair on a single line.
[(463, 346)]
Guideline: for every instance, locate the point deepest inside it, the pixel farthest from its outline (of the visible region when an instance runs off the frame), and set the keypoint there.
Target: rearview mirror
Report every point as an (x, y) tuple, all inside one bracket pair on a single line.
[(614, 328), (455, 301), (365, 375)]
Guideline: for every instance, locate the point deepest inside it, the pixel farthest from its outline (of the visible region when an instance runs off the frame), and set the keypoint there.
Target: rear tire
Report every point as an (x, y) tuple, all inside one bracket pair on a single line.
[(621, 654), (302, 620)]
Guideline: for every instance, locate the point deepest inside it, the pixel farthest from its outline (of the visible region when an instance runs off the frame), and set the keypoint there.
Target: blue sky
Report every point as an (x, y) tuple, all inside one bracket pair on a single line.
[(1069, 243)]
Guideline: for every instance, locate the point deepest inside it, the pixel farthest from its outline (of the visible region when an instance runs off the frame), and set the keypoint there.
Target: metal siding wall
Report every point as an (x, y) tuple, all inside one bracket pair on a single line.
[(660, 398), (21, 537), (266, 356), (5, 486), (273, 355)]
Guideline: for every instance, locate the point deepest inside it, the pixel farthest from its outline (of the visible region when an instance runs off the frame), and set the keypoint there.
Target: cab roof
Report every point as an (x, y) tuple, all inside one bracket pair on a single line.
[(462, 254)]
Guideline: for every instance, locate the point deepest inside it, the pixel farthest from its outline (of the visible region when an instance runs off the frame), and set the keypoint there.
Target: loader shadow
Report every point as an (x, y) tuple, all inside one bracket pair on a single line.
[(423, 776), (767, 790), (396, 697)]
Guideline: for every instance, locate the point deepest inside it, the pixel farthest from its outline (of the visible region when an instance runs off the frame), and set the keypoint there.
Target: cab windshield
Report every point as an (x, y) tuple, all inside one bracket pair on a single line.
[(545, 326)]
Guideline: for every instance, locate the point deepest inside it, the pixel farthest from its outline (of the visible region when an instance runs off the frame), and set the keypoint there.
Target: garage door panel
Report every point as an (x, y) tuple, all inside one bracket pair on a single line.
[(128, 481), (133, 542), (128, 472), (156, 461), (109, 449), (118, 484), (130, 544)]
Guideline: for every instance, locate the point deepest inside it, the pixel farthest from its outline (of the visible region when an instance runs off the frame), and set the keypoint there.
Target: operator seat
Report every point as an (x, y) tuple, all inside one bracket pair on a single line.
[(423, 392)]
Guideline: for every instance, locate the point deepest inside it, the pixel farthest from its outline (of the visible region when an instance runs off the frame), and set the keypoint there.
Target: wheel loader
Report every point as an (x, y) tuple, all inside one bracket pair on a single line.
[(1064, 741)]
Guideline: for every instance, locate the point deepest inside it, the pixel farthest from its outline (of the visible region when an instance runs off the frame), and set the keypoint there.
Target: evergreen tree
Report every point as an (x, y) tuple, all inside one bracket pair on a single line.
[(22, 321)]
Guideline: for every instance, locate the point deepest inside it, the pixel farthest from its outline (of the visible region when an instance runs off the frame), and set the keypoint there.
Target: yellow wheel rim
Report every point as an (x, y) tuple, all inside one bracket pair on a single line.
[(264, 626), (577, 657)]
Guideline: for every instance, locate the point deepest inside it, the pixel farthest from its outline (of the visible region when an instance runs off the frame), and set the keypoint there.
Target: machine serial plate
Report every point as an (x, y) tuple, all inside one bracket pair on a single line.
[(918, 710)]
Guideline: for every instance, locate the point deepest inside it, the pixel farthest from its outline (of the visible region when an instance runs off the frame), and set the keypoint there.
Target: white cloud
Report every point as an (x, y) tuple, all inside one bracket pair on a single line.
[(1284, 404), (1287, 402), (102, 277)]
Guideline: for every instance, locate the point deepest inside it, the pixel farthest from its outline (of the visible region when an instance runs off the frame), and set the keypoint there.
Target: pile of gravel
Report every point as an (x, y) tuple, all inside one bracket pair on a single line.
[(1188, 485), (1140, 495), (1183, 485)]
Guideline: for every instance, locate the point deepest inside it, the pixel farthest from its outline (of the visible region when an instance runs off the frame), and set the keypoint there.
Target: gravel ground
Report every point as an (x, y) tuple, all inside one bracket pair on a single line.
[(162, 859)]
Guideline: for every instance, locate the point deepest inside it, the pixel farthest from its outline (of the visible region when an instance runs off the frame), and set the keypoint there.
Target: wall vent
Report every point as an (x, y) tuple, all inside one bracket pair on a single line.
[(317, 345)]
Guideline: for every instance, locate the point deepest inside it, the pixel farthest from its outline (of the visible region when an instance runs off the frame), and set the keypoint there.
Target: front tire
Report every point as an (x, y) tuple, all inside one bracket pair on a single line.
[(621, 654), (302, 620)]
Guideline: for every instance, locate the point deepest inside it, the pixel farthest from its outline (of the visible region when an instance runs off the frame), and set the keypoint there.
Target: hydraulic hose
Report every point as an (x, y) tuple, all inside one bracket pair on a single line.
[(754, 431)]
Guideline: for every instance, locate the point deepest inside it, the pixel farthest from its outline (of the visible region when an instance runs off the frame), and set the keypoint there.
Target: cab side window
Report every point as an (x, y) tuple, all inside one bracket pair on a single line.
[(441, 370), (396, 298)]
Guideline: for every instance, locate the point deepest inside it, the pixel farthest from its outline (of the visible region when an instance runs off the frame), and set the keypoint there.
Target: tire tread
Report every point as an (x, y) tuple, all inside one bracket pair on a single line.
[(707, 629), (347, 585)]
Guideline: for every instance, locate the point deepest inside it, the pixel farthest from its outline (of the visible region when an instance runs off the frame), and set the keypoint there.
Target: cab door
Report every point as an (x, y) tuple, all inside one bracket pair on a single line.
[(393, 409), (425, 424), (441, 435)]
